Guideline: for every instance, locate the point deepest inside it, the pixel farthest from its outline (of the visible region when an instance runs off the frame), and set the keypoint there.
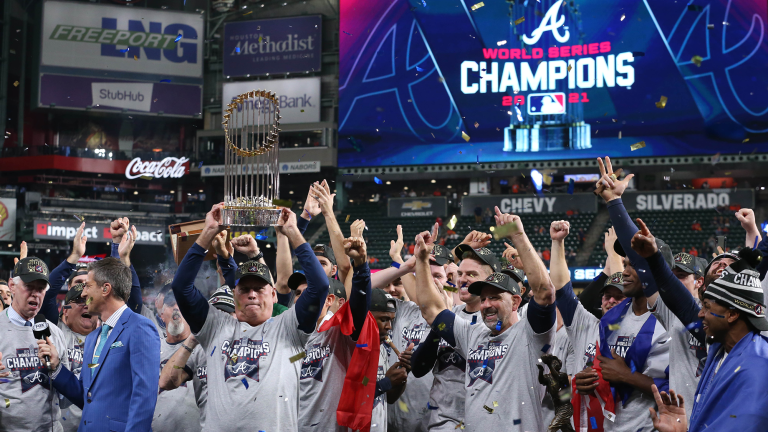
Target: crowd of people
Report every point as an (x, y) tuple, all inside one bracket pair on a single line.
[(440, 341)]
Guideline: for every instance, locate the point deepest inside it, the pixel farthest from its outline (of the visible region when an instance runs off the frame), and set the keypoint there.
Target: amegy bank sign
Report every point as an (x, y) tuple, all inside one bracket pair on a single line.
[(169, 167), (56, 230)]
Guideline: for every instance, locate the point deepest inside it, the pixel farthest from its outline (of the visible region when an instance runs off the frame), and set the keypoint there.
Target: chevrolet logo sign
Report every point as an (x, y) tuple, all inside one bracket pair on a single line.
[(417, 205)]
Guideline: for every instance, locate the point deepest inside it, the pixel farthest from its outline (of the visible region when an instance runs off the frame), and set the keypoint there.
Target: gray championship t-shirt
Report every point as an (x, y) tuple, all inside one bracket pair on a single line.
[(584, 333), (176, 409), (446, 399), (198, 364), (562, 349), (502, 381), (252, 384), (27, 403), (409, 327), (684, 367), (75, 343), (322, 378), (379, 413)]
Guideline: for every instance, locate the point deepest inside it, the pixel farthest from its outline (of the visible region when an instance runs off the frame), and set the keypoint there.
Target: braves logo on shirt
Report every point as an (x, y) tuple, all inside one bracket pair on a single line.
[(27, 365), (242, 357), (482, 361), (414, 335), (75, 356), (312, 364), (162, 364), (447, 357)]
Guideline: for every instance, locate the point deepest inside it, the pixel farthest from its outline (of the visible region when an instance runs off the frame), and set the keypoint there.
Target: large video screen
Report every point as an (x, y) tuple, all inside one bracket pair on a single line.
[(451, 81)]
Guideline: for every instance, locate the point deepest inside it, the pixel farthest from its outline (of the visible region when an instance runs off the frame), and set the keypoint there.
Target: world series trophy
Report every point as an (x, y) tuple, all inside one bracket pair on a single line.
[(251, 171)]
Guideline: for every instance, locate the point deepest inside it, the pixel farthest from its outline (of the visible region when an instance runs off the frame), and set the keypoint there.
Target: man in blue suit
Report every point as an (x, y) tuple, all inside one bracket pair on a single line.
[(118, 389)]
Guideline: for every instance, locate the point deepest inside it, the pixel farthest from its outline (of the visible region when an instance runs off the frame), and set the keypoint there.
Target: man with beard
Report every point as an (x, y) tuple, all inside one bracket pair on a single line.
[(501, 380), (448, 367), (28, 392), (5, 294), (249, 355), (190, 363), (729, 395), (176, 409)]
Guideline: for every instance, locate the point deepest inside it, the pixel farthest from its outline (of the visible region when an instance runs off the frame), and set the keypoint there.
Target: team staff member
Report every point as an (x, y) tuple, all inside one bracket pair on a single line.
[(118, 391), (249, 355), (30, 401), (501, 379)]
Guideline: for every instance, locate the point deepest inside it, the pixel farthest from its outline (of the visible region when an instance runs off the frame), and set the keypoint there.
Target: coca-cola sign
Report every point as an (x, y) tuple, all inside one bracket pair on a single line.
[(169, 167)]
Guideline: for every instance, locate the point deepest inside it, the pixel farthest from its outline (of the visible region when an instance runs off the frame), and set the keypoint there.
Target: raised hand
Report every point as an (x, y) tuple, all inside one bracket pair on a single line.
[(610, 239), (357, 228), (477, 239), (78, 245), (311, 206), (511, 255), (405, 357), (452, 272), (126, 245), (643, 242), (356, 249), (322, 194), (396, 247), (671, 417), (514, 222), (118, 228), (559, 230), (22, 254), (609, 187), (221, 245), (245, 244), (424, 245), (747, 218), (287, 221)]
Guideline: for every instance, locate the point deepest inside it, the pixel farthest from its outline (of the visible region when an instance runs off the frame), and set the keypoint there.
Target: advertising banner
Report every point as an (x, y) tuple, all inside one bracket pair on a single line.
[(521, 204), (416, 207), (7, 219), (702, 199), (57, 230), (285, 168), (114, 58), (541, 80), (299, 97), (278, 46)]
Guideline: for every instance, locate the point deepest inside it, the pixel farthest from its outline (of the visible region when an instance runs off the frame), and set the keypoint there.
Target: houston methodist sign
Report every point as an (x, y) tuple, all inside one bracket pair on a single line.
[(584, 66)]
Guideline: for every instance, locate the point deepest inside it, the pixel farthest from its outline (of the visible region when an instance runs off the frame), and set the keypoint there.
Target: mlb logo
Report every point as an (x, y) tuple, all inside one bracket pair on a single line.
[(546, 103)]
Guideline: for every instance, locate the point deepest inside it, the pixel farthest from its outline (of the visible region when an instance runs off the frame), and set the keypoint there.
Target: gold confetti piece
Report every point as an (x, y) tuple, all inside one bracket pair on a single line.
[(7, 403), (441, 326), (146, 177), (88, 301), (696, 60), (745, 140), (478, 6), (136, 58), (298, 356), (92, 365), (662, 102), (495, 404), (737, 369), (248, 13), (465, 136), (302, 110), (365, 381), (347, 219), (460, 425), (570, 67), (477, 125), (177, 367), (728, 173), (259, 38), (450, 288), (489, 409), (637, 146), (547, 179), (15, 83), (614, 327), (403, 406), (501, 231), (234, 358), (519, 20)]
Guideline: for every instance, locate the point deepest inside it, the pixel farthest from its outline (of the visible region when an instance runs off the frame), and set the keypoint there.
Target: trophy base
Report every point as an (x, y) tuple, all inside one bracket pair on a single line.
[(246, 216)]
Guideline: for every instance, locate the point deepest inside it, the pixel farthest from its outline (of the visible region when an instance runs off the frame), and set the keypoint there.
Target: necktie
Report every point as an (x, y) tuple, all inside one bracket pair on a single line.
[(27, 324), (102, 341)]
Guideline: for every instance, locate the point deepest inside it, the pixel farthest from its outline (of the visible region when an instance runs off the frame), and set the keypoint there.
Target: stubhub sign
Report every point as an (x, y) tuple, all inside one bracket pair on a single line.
[(117, 38)]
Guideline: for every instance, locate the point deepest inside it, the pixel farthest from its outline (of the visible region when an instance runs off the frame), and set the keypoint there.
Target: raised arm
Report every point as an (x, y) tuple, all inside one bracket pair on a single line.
[(310, 304), (59, 275), (176, 372), (430, 301), (558, 267), (425, 355), (360, 294), (283, 266), (322, 193), (476, 240), (747, 219), (124, 248), (311, 209), (192, 304), (399, 268), (591, 297)]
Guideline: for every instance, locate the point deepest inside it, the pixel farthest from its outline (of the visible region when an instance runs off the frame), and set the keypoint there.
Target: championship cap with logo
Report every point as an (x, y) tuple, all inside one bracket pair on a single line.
[(382, 302), (75, 292), (254, 268), (483, 254), (296, 279), (740, 289), (518, 275), (685, 262), (441, 255), (223, 300), (337, 288), (31, 269), (501, 281), (616, 280), (322, 250)]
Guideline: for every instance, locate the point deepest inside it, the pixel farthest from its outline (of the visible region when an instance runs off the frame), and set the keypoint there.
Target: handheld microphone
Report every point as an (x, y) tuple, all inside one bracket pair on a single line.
[(41, 331)]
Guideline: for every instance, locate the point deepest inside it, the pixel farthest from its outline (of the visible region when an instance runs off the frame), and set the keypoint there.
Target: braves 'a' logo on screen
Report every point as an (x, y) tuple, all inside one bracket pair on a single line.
[(482, 361)]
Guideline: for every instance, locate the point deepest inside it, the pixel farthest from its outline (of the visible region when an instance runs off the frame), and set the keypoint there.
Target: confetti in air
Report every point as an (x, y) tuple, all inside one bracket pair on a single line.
[(696, 60), (178, 38), (465, 136), (125, 50), (637, 146), (489, 409), (622, 17), (478, 6), (365, 381), (15, 83), (519, 20), (419, 69), (298, 356), (662, 102), (403, 406), (245, 383), (500, 43), (377, 180), (570, 67), (345, 32), (571, 185), (237, 49), (136, 58)]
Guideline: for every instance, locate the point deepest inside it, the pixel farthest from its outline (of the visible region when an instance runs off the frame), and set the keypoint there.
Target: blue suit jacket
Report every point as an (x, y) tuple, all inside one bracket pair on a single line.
[(121, 393)]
